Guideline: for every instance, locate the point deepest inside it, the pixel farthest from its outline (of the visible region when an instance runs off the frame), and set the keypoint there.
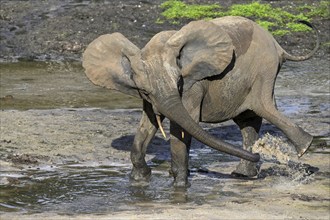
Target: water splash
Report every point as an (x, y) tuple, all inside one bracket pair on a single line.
[(274, 149), (283, 160)]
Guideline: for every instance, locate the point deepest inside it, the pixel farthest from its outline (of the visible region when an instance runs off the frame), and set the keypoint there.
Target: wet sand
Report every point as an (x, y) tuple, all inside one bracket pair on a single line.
[(33, 141)]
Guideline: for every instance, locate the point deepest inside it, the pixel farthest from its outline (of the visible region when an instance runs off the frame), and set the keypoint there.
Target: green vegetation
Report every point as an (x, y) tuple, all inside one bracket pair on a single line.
[(276, 20), (322, 10), (177, 9), (270, 18)]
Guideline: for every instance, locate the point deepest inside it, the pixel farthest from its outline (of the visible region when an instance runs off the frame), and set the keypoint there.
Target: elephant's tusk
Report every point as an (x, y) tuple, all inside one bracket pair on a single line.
[(160, 126), (182, 134)]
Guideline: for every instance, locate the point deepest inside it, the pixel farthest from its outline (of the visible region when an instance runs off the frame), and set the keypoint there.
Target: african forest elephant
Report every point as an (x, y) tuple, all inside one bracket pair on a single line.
[(209, 71)]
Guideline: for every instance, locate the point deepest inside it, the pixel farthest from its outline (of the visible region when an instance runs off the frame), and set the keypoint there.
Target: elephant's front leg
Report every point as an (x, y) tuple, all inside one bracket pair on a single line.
[(180, 139), (250, 124), (146, 131), (180, 145)]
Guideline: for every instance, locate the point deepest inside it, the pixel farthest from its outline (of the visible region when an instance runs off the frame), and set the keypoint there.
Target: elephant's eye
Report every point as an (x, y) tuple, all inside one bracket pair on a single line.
[(178, 62), (143, 92), (145, 95)]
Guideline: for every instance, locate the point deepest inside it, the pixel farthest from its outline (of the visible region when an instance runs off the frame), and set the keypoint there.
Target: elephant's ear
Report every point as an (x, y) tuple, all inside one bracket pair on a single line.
[(201, 49), (111, 60)]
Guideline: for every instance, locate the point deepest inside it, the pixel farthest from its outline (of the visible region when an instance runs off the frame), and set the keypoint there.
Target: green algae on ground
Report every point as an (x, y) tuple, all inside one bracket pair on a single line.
[(278, 21)]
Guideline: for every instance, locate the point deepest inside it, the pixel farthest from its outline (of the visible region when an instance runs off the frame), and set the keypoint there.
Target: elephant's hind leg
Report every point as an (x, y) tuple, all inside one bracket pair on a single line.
[(300, 138), (146, 131), (250, 124), (265, 108)]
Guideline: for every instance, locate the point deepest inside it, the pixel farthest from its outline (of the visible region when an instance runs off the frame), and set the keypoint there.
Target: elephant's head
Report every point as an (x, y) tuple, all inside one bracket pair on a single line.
[(171, 62)]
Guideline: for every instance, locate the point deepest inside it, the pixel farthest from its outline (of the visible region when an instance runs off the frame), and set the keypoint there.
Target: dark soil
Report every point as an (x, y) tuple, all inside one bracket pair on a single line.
[(61, 29)]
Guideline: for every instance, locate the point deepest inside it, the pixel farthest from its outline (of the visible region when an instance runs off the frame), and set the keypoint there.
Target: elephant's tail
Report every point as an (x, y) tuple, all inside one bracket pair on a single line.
[(288, 56)]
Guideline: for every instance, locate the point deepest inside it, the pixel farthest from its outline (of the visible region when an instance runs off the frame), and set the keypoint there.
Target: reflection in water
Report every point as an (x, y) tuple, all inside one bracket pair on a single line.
[(76, 188), (79, 189)]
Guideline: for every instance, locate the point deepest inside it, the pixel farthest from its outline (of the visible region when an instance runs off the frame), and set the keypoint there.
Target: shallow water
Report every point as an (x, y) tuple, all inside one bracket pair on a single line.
[(90, 188), (47, 85), (303, 94), (44, 85), (79, 189)]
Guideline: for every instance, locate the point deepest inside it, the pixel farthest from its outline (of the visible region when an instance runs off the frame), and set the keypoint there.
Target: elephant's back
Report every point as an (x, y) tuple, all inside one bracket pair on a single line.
[(240, 31)]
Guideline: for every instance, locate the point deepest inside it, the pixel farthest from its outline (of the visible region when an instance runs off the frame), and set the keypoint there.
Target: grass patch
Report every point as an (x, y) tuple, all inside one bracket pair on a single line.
[(322, 10), (276, 20), (175, 9)]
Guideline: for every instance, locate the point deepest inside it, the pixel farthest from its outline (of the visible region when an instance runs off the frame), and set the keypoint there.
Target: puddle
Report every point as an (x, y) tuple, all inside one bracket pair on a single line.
[(78, 189), (70, 189), (91, 188), (85, 189)]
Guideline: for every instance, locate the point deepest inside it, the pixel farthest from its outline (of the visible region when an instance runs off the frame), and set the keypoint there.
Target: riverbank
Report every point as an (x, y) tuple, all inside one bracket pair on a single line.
[(61, 30)]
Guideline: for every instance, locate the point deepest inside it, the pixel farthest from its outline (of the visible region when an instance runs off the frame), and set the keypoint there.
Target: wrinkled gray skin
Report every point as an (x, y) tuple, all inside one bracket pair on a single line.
[(209, 71)]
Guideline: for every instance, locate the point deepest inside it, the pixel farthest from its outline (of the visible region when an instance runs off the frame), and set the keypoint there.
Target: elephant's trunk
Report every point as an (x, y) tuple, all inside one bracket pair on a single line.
[(173, 109)]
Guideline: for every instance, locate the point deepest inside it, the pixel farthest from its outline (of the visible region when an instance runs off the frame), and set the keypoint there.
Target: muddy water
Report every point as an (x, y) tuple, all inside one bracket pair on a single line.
[(72, 112), (86, 189), (41, 85), (44, 85)]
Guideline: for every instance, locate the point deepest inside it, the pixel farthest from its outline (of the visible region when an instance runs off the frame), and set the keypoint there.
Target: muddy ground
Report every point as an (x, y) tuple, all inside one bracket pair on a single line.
[(61, 29)]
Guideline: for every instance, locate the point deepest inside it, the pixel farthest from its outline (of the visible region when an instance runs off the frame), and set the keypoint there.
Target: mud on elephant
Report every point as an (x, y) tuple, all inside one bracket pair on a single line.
[(209, 71)]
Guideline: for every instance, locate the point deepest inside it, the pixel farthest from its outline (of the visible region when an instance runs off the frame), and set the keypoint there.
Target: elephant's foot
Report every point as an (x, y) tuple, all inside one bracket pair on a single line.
[(180, 179), (141, 174), (246, 169), (181, 182), (303, 144)]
